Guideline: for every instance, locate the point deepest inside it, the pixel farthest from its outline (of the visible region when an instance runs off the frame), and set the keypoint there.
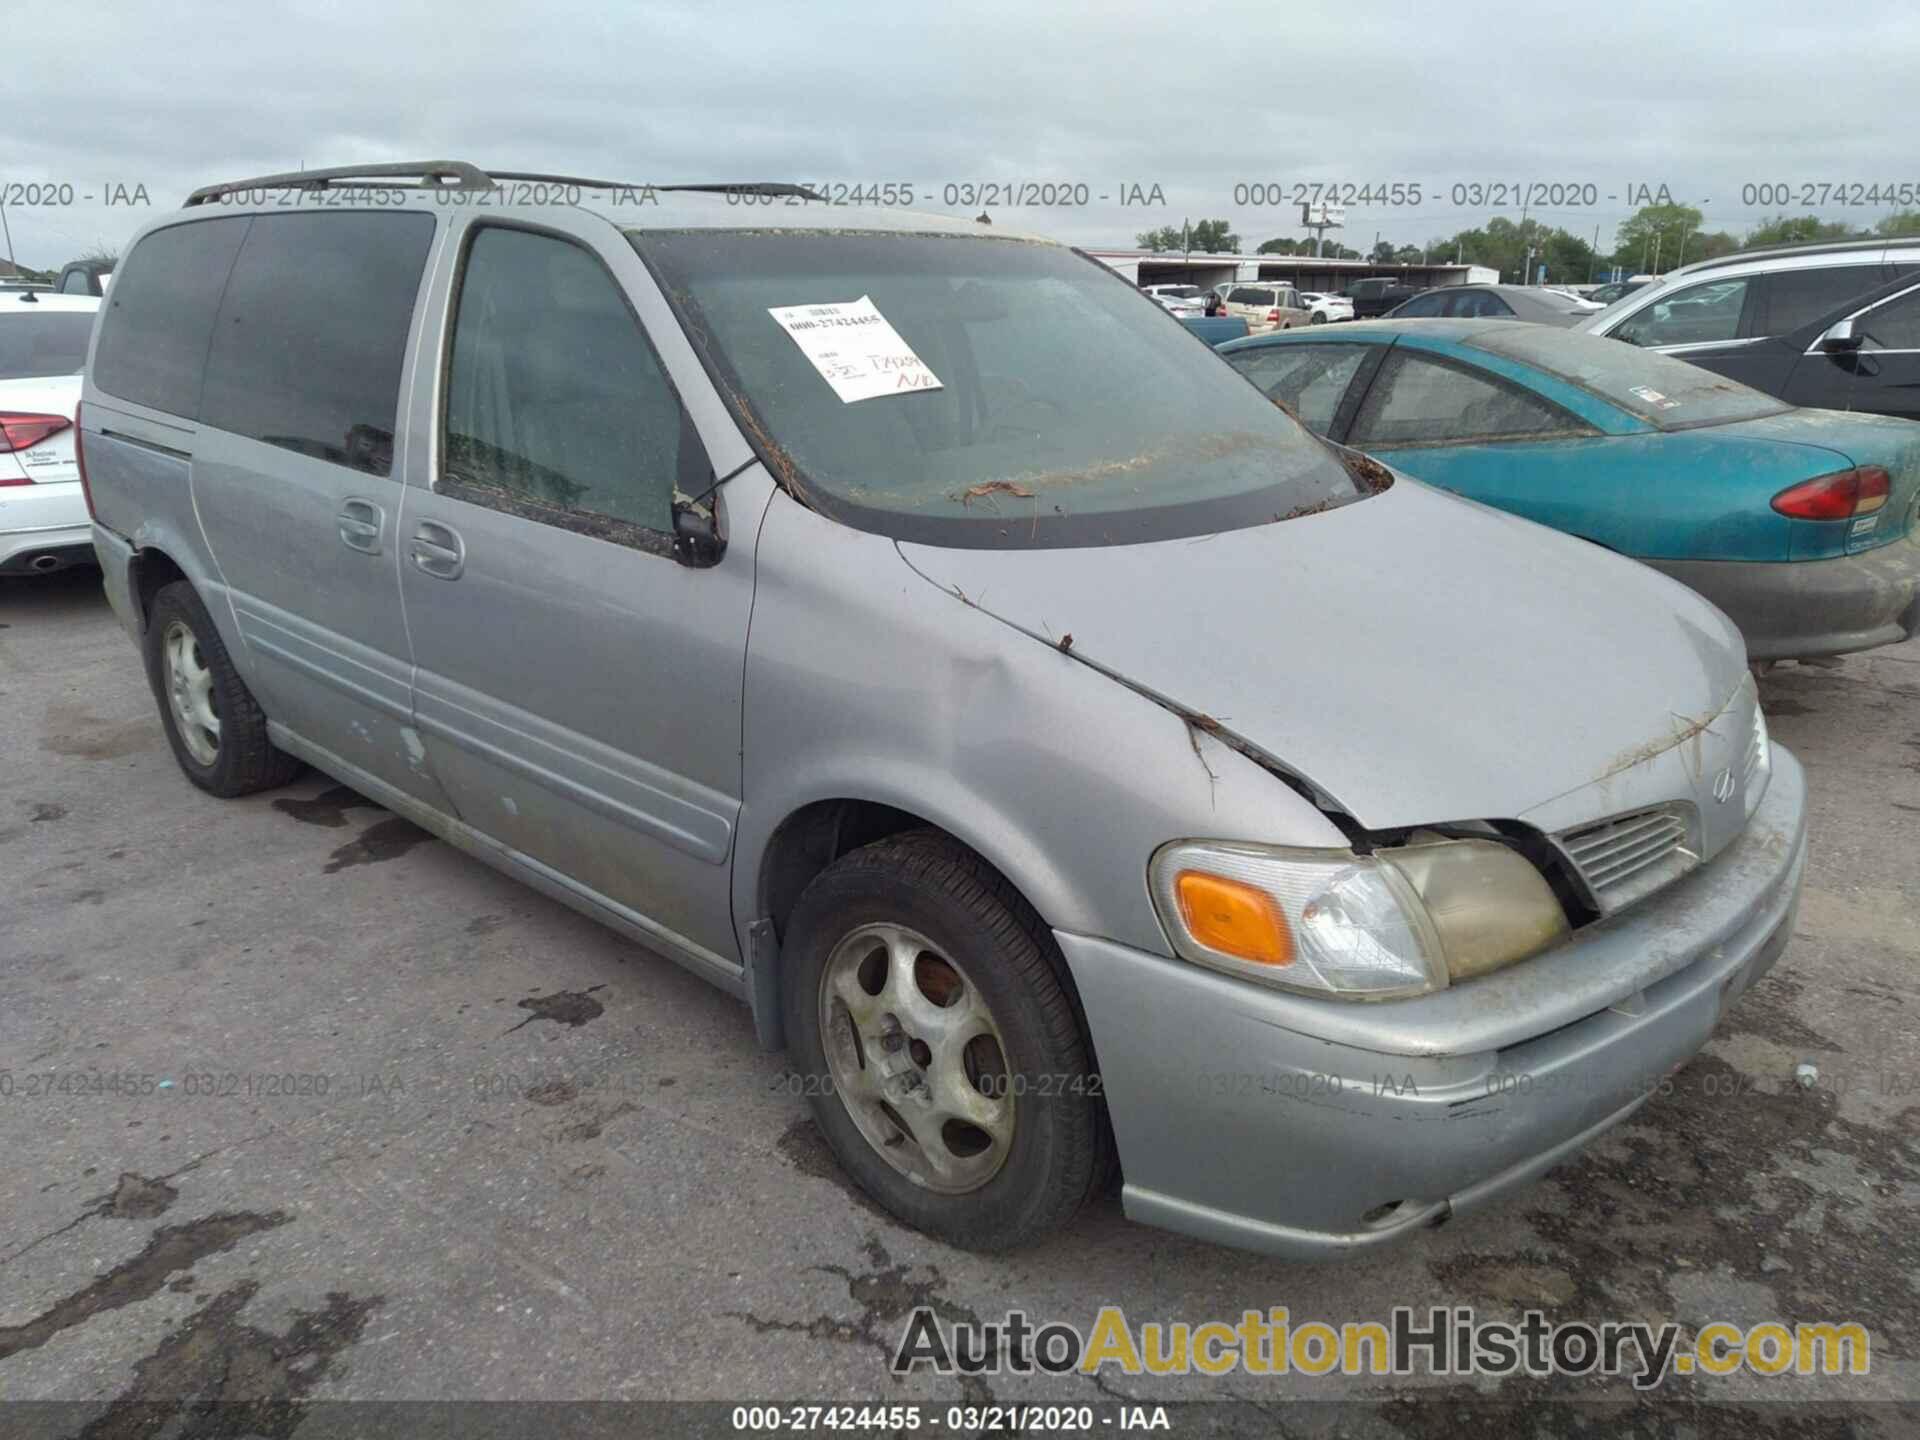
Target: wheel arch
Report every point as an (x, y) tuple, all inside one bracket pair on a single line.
[(813, 834), (148, 572)]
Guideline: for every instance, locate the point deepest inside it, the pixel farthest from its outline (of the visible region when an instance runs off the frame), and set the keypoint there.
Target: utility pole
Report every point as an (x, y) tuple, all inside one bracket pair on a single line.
[(1594, 264), (8, 230)]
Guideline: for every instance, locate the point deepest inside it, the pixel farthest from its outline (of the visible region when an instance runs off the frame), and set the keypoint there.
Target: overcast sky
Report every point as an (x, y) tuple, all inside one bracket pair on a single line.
[(1703, 97)]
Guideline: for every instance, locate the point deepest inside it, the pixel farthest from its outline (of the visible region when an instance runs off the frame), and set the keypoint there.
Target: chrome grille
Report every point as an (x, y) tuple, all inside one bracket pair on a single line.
[(1632, 855)]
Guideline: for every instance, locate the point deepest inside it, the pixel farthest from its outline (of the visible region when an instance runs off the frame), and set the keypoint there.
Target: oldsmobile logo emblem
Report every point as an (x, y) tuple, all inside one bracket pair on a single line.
[(1723, 786)]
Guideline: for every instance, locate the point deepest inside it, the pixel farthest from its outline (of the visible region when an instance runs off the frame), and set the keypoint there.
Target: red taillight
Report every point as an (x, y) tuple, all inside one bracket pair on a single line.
[(23, 431), (1839, 496), (80, 462), (1274, 316)]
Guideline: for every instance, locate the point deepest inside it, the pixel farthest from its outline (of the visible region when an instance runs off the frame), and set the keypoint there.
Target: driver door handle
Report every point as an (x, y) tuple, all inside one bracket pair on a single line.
[(361, 523), (437, 550)]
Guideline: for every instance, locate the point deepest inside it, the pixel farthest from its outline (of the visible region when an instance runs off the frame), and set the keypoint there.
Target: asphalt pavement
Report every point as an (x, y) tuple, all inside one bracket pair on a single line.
[(393, 1126)]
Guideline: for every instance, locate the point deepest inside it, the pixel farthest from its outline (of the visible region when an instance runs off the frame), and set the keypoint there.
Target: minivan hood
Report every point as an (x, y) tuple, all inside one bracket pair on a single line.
[(1419, 658)]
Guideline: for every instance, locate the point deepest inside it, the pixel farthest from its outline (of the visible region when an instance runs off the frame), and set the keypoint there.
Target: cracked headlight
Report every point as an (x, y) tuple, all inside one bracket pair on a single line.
[(1399, 922)]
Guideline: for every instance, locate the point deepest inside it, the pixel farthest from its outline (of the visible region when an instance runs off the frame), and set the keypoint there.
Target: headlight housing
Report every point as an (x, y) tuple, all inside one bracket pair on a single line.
[(1402, 921)]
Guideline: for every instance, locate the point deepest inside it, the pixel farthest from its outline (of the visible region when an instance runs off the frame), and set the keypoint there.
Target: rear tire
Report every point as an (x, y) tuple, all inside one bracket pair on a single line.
[(985, 1142), (216, 728)]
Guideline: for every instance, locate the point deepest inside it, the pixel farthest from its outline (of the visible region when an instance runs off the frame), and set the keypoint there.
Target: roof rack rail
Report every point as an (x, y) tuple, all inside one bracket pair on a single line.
[(459, 175), (445, 174), (1805, 247), (750, 187)]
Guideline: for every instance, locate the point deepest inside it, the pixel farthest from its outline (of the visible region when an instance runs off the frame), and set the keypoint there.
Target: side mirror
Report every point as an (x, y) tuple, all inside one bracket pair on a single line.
[(1841, 338), (697, 541)]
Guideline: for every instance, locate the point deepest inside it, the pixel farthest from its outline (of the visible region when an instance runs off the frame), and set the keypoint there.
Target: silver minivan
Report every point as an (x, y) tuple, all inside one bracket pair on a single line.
[(1073, 762)]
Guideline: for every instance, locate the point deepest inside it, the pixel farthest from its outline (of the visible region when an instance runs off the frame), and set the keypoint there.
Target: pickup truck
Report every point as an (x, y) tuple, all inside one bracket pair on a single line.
[(1374, 297)]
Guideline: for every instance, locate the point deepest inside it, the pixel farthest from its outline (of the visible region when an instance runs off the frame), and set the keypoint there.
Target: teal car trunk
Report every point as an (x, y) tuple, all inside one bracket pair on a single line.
[(1798, 523)]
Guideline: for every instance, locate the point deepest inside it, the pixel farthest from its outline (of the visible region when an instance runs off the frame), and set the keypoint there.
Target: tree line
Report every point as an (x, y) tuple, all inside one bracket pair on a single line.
[(1662, 236)]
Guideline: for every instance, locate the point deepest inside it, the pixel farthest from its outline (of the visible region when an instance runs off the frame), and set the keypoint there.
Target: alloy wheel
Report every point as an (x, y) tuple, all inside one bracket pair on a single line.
[(916, 1057)]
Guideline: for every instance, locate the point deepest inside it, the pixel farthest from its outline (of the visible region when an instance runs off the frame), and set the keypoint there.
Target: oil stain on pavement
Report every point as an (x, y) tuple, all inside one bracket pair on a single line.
[(383, 840), (328, 808), (564, 1007), (224, 1378), (172, 1248)]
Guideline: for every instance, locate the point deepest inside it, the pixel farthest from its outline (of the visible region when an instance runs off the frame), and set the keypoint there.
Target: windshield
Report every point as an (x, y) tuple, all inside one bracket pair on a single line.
[(53, 344), (1668, 393), (983, 392)]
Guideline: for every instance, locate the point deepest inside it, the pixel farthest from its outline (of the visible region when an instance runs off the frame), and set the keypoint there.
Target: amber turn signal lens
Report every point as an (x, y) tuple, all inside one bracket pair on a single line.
[(1234, 918)]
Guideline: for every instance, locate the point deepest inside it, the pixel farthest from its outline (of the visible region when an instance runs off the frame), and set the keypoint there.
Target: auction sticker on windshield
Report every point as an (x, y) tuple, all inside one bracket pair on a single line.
[(855, 350)]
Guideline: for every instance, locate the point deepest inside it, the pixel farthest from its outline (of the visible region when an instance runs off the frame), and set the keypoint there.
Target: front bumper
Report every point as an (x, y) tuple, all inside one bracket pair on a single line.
[(1796, 608), (1311, 1128)]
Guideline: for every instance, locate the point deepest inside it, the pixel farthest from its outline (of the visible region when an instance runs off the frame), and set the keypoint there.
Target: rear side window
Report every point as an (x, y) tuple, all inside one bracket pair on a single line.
[(1308, 379), (1894, 325), (1701, 314), (557, 407), (1420, 307), (34, 344), (159, 314), (312, 334), (1418, 401), (1479, 304), (1799, 297)]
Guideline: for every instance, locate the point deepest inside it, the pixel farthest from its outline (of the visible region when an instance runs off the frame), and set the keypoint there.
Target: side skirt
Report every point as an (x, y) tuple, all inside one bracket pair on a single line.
[(728, 975)]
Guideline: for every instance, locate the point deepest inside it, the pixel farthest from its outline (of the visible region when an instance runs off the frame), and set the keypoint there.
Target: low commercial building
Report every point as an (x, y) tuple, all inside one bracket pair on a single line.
[(1304, 272)]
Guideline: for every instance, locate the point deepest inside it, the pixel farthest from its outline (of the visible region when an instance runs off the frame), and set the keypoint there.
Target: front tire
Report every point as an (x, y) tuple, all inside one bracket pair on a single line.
[(943, 1057), (216, 728)]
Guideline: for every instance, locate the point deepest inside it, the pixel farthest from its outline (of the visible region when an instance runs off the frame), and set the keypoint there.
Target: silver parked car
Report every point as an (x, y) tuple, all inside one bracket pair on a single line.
[(820, 605), (1531, 303)]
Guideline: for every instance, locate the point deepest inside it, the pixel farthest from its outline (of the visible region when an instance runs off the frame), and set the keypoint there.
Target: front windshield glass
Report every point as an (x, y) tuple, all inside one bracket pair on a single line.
[(1669, 393), (1039, 400)]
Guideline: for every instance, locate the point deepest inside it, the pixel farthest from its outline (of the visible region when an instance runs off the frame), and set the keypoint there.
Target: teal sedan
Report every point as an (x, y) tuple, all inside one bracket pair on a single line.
[(1799, 524)]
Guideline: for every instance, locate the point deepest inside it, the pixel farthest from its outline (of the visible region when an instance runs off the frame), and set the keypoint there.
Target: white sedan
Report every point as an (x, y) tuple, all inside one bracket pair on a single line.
[(44, 524), (1181, 300), (1326, 307)]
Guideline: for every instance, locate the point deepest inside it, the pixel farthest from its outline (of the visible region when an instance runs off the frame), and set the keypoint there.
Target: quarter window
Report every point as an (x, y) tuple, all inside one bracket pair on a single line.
[(555, 399), (1416, 401), (1799, 297), (160, 311), (1308, 379), (312, 334)]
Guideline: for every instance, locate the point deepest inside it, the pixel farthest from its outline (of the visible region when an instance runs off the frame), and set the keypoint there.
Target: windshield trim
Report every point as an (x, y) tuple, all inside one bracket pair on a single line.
[(1025, 529)]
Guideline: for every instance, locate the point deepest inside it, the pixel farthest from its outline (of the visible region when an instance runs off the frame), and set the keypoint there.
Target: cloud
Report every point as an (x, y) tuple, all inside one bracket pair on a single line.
[(1196, 99)]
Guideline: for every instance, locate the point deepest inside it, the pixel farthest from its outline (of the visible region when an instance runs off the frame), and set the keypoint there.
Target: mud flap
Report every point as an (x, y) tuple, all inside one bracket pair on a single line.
[(763, 984)]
